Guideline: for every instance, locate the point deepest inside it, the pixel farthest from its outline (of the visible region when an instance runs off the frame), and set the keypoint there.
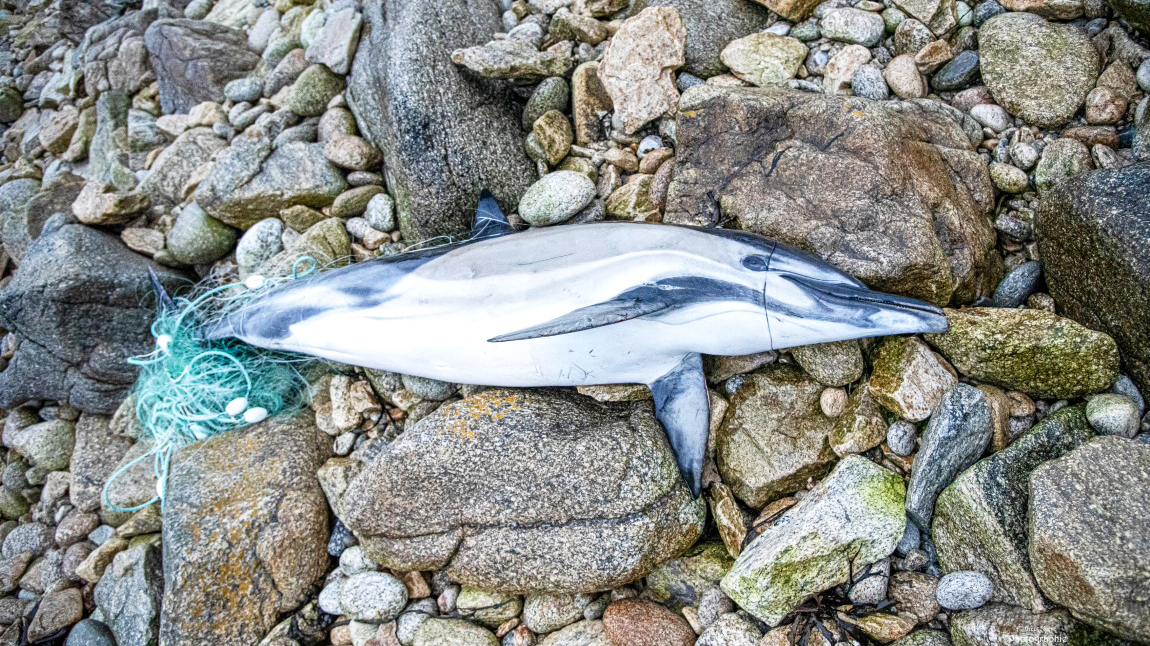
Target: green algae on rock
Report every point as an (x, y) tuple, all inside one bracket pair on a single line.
[(852, 518), (1034, 351), (682, 581)]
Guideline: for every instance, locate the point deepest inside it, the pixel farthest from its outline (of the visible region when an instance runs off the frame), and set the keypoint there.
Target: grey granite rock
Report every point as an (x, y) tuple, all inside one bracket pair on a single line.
[(129, 595), (956, 435), (559, 480), (79, 305), (195, 59), (251, 546), (422, 112)]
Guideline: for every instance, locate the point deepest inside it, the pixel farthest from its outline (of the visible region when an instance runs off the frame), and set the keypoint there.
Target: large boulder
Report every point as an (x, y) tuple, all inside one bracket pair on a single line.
[(891, 192), (79, 307), (998, 624), (194, 60), (1094, 236), (980, 519), (249, 180), (114, 55), (1038, 70), (245, 532), (852, 518), (773, 438), (444, 135), (1035, 351), (1088, 541), (710, 26), (1137, 12), (586, 496)]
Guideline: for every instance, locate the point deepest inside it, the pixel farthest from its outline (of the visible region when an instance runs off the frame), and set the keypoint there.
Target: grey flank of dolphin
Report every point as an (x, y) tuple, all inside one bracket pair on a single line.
[(599, 303)]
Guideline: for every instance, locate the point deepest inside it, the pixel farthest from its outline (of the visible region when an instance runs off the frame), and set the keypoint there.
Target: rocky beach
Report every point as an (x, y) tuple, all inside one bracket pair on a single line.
[(984, 486)]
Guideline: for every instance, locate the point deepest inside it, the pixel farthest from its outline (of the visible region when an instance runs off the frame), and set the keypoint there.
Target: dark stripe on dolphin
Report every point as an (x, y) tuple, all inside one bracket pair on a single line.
[(652, 298)]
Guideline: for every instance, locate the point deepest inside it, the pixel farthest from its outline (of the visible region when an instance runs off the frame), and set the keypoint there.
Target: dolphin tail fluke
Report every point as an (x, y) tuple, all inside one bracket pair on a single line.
[(490, 220), (682, 406)]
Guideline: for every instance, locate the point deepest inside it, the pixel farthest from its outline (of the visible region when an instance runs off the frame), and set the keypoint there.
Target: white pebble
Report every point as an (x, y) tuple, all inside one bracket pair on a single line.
[(255, 415), (963, 590), (236, 406), (255, 281)]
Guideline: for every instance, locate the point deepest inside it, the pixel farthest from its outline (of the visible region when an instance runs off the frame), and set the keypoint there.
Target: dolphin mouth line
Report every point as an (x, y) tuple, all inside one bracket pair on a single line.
[(922, 307)]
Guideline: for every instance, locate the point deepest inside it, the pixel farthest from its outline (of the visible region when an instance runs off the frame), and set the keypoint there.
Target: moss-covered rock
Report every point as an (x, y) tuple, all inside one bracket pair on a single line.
[(853, 517), (632, 201), (682, 581), (909, 379), (1040, 353), (774, 436), (831, 364), (980, 519), (861, 427)]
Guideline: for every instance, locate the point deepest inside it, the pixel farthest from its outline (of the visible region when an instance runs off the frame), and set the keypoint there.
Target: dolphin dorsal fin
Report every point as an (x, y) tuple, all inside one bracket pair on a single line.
[(489, 218)]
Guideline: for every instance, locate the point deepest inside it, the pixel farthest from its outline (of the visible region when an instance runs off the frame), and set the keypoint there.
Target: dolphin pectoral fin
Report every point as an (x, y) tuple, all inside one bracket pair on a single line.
[(489, 218), (585, 318), (682, 406)]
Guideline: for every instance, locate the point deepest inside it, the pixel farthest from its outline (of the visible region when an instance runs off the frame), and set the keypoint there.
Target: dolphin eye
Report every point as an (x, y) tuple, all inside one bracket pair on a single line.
[(755, 263)]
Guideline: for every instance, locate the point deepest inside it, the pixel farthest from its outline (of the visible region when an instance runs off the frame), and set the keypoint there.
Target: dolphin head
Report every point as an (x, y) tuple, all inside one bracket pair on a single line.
[(806, 300)]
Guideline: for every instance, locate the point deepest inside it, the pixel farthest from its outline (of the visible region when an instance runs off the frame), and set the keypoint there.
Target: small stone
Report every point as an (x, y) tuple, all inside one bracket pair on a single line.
[(957, 74), (315, 87), (512, 58), (56, 611), (553, 132), (957, 434), (731, 629), (637, 622), (881, 626), (851, 25), (870, 583), (89, 632), (963, 590), (1111, 414), (991, 116), (350, 151), (833, 401), (197, 237), (764, 58), (842, 66), (259, 244), (868, 83), (544, 613), (335, 44), (636, 68), (32, 538), (353, 202), (453, 632), (909, 379), (1061, 160), (914, 593), (552, 93), (372, 597), (244, 89), (488, 608), (1021, 282), (556, 197), (380, 212), (101, 204), (1008, 179), (900, 437), (1104, 106), (903, 77)]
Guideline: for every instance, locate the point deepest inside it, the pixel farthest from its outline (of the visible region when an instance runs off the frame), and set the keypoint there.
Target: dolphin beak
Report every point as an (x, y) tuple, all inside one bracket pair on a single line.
[(880, 312)]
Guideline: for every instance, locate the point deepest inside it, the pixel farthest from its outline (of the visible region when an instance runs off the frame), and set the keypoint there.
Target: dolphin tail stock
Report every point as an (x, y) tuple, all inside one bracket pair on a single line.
[(191, 387), (683, 407)]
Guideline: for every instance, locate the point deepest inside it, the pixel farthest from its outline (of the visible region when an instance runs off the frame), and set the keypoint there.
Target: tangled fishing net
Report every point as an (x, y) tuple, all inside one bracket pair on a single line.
[(191, 388)]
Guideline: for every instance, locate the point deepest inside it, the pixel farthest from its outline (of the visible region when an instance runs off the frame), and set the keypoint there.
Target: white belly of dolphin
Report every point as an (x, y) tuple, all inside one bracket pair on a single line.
[(438, 321)]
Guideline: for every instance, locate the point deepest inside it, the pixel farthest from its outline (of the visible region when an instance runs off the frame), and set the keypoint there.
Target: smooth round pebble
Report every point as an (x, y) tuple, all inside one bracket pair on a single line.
[(556, 197), (1112, 414), (1021, 282), (868, 83), (380, 213), (1008, 179), (992, 116), (372, 597), (329, 596), (833, 401), (1125, 386), (1143, 75), (900, 437), (963, 590), (260, 243), (958, 73), (354, 560)]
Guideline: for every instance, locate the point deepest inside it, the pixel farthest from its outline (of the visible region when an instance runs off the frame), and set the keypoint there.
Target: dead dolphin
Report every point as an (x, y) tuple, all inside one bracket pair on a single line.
[(602, 303)]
